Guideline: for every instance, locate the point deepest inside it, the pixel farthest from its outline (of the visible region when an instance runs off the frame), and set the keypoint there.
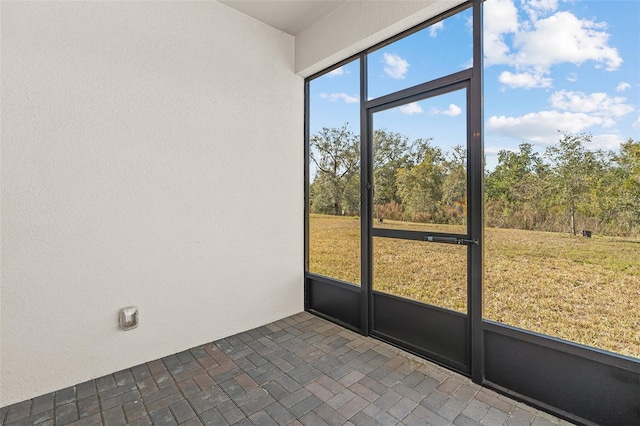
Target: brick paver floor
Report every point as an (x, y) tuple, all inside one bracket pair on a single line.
[(301, 370)]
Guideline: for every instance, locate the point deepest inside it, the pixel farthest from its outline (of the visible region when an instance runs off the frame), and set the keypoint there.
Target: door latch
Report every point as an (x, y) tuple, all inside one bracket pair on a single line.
[(450, 240)]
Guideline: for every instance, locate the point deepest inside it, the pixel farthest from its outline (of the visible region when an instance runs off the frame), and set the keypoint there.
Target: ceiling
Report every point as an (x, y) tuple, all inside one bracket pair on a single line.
[(290, 16)]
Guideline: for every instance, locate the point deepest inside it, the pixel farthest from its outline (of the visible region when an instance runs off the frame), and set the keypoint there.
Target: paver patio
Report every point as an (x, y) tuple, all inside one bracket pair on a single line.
[(301, 370)]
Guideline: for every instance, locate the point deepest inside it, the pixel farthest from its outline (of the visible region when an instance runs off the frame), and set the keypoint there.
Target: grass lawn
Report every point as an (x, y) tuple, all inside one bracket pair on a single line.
[(586, 290)]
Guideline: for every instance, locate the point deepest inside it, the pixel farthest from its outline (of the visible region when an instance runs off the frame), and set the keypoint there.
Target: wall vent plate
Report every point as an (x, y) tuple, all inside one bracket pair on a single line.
[(128, 318)]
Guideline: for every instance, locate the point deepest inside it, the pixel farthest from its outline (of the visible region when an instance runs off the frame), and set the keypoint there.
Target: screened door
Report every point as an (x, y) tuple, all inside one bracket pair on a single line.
[(419, 232)]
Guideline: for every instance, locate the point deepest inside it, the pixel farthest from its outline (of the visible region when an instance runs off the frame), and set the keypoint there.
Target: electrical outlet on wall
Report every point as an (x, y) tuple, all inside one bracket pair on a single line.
[(129, 318)]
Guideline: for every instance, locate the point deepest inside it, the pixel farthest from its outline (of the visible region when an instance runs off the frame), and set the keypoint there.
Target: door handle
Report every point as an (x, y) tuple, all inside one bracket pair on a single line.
[(450, 240)]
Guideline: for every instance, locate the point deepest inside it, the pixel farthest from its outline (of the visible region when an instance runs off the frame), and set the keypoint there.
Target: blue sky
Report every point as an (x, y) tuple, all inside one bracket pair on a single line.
[(549, 66)]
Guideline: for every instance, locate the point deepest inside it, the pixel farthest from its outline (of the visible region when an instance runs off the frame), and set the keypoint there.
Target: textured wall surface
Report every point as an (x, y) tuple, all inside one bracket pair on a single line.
[(151, 156), (358, 25)]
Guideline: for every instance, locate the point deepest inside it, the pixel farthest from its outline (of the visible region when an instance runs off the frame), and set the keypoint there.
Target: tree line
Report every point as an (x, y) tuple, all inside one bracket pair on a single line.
[(568, 188)]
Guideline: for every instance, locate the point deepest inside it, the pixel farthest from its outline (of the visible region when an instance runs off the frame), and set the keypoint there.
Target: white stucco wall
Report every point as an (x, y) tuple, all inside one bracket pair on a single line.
[(151, 156), (358, 25)]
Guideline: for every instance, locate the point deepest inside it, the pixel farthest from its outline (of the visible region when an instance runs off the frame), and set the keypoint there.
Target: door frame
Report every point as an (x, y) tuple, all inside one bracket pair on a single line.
[(425, 339)]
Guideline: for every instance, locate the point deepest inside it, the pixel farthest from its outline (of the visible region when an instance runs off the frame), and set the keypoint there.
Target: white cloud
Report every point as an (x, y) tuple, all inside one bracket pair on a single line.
[(541, 127), (572, 77), (636, 124), (433, 29), (500, 18), (572, 112), (524, 80), (453, 111), (598, 103), (535, 8), (396, 67), (563, 37), (410, 109), (533, 45), (622, 86), (338, 71), (335, 96)]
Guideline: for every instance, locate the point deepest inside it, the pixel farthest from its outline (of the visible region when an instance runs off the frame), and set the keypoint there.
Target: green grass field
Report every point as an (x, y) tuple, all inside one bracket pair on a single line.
[(586, 290)]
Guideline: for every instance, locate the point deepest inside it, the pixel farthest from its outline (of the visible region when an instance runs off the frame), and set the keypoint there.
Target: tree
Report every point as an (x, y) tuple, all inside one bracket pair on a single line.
[(420, 186), (336, 155), (515, 187), (572, 167), (391, 152), (454, 186), (513, 167), (628, 161)]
